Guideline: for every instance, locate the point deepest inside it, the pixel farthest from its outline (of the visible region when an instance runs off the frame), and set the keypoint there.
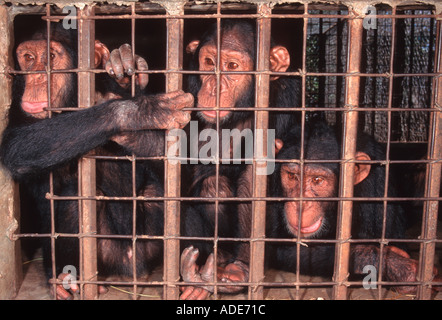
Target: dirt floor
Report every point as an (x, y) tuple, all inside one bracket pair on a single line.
[(34, 287)]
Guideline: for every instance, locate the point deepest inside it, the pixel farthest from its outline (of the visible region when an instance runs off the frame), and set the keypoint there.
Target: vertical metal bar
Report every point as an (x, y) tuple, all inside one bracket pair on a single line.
[(350, 125), (173, 170), (303, 103), (433, 176), (388, 147), (86, 98), (134, 168), (261, 123), (51, 175)]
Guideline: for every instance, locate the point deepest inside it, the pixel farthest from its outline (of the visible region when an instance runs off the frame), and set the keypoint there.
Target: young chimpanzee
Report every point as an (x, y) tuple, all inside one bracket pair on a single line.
[(35, 145), (317, 219), (235, 90)]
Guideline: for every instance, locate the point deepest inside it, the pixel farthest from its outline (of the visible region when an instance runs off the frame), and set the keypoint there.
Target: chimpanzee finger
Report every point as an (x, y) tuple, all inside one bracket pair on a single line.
[(183, 100), (181, 119), (142, 78), (62, 294), (127, 58), (102, 54), (171, 95), (186, 293), (189, 268), (195, 294), (117, 64), (207, 271), (108, 67), (204, 294), (184, 258)]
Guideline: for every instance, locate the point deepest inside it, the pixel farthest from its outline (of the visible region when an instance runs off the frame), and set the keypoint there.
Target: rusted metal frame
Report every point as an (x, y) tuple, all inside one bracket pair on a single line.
[(290, 240), (259, 182), (282, 109), (245, 15), (213, 199), (134, 168), (302, 160), (387, 163), (87, 171), (273, 73), (217, 158), (432, 180), (172, 169), (51, 177), (350, 125)]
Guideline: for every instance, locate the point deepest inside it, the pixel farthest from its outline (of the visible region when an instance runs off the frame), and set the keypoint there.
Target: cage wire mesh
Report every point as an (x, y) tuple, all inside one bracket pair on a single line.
[(407, 83)]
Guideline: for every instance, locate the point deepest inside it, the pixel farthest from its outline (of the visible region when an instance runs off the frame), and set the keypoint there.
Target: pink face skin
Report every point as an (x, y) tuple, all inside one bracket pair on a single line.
[(32, 56), (232, 86), (317, 182)]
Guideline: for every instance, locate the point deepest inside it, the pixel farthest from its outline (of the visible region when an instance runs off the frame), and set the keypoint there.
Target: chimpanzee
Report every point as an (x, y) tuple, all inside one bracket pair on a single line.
[(317, 219), (238, 42), (35, 145)]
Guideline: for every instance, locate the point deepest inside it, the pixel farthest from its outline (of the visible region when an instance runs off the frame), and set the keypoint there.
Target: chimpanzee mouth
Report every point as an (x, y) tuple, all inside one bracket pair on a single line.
[(210, 116), (34, 107), (311, 229)]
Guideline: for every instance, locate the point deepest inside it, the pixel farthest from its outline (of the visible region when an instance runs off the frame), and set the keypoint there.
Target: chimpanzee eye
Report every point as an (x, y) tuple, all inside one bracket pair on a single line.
[(52, 55), (232, 65), (209, 62), (292, 176), (28, 57), (318, 180)]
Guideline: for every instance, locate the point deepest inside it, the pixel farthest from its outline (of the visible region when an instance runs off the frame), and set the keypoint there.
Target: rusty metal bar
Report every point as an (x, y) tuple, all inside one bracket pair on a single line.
[(87, 186), (51, 176), (388, 163), (350, 126), (432, 178), (173, 169), (259, 179)]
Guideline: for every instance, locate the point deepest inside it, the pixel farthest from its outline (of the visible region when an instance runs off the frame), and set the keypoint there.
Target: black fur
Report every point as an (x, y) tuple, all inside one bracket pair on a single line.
[(199, 218), (322, 142), (32, 148)]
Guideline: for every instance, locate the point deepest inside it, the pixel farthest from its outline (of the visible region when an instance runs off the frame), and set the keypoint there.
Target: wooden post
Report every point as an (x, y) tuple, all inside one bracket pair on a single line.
[(10, 264)]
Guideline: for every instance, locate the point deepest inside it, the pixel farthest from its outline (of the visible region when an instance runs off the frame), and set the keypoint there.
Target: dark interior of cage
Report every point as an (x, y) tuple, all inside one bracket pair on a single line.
[(403, 133)]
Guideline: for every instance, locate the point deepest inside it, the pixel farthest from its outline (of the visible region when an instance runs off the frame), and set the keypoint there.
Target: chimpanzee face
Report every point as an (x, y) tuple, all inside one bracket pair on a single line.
[(32, 56), (232, 86), (235, 89), (317, 182)]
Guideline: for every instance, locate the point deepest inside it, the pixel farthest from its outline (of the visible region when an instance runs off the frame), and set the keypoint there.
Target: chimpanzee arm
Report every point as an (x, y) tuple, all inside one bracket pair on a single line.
[(141, 142), (46, 144)]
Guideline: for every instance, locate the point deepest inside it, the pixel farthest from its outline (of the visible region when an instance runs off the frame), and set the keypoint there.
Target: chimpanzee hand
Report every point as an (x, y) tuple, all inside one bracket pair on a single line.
[(161, 111), (401, 268), (233, 272), (63, 293), (190, 272), (397, 265), (123, 61)]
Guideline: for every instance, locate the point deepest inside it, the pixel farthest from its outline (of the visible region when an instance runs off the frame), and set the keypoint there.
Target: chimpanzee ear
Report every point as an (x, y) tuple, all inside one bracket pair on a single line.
[(192, 46), (278, 145), (362, 170), (279, 60)]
